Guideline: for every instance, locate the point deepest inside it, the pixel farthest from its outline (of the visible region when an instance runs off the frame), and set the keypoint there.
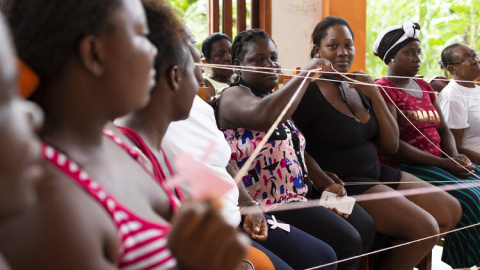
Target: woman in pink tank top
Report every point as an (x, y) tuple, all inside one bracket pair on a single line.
[(97, 208), (20, 150)]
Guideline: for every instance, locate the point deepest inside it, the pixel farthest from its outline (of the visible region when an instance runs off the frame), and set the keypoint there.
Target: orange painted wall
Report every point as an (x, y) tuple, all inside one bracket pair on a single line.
[(355, 12)]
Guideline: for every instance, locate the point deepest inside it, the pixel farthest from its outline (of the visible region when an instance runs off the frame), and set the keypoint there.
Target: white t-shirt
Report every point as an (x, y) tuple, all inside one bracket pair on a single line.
[(194, 135), (461, 108)]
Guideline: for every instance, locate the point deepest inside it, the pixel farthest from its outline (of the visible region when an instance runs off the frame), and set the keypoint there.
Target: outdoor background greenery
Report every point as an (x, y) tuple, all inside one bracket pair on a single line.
[(443, 22)]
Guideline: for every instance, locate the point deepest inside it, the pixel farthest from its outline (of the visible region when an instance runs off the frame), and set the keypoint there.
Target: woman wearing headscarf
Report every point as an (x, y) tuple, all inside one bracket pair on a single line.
[(425, 140)]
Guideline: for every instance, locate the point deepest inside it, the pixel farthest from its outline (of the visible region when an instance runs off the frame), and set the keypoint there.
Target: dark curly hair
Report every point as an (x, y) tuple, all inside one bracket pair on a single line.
[(321, 28), (238, 51), (446, 56), (46, 32), (165, 34), (207, 43)]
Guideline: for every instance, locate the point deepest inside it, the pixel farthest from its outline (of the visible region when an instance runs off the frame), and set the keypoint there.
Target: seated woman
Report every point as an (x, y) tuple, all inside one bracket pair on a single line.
[(20, 168), (344, 125), (460, 99), (194, 136), (421, 155), (278, 176), (170, 100), (98, 207), (216, 49)]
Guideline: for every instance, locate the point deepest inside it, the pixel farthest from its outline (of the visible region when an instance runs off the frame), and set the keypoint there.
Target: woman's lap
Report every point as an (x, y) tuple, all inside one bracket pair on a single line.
[(348, 237), (297, 248), (460, 248)]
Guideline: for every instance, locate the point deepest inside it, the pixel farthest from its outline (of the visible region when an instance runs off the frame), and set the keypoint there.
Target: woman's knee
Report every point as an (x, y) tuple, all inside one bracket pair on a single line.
[(426, 228), (453, 212), (365, 226)]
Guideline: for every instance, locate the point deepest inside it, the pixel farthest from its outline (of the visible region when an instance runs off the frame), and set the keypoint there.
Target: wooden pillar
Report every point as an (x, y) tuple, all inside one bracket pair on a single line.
[(355, 13), (261, 15), (213, 15), (227, 18), (241, 16)]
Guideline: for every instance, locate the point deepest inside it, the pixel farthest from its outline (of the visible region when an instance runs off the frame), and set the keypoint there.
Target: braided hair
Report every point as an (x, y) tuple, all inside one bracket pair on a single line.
[(446, 55), (238, 45), (207, 43), (321, 28)]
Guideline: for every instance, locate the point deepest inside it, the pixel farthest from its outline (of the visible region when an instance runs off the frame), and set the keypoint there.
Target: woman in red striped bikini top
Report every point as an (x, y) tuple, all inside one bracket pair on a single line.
[(98, 207)]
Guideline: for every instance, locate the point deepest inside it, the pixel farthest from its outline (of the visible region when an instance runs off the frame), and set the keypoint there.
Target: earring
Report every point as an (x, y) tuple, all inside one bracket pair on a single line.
[(317, 55), (392, 60)]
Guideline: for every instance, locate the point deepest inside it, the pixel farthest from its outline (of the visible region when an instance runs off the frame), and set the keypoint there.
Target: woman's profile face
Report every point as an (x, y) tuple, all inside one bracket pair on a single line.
[(337, 47), (220, 54), (261, 53), (19, 147), (188, 88), (467, 65), (407, 60), (191, 43), (129, 57)]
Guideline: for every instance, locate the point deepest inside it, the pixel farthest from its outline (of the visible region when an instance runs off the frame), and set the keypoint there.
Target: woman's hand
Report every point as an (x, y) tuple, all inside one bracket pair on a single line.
[(340, 191), (319, 63), (255, 225), (201, 239), (368, 90), (459, 169)]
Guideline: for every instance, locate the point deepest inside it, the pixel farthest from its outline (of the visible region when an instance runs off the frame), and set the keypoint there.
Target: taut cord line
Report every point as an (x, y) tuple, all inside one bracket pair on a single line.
[(276, 71), (410, 122), (233, 67), (392, 247), (251, 158), (362, 197)]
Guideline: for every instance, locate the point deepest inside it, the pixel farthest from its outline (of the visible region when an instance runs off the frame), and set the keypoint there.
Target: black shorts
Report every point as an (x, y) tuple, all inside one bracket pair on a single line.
[(381, 173)]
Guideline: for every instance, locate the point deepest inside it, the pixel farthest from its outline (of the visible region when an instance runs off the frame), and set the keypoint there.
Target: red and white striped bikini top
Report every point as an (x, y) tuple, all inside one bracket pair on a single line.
[(143, 244)]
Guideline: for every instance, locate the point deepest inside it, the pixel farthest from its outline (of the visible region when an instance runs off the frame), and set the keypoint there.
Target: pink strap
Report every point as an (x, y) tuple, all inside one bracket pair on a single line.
[(159, 174)]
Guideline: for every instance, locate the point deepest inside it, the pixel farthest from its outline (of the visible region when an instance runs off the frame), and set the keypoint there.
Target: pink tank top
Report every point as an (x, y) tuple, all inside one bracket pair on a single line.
[(157, 168), (143, 244)]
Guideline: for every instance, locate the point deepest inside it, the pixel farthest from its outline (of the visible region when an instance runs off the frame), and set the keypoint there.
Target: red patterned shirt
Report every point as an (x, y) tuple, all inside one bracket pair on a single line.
[(420, 111)]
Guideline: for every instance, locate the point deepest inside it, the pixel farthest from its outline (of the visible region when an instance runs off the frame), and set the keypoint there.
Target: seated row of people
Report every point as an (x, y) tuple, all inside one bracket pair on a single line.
[(99, 193), (345, 125)]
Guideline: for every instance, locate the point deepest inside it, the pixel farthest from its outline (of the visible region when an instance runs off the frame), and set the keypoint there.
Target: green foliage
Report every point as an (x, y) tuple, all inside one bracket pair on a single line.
[(194, 14), (443, 22)]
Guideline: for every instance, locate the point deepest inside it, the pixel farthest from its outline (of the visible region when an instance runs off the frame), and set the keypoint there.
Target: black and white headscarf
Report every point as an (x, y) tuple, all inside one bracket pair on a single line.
[(394, 38)]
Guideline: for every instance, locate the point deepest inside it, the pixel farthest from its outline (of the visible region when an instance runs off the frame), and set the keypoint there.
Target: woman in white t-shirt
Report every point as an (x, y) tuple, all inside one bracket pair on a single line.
[(460, 99)]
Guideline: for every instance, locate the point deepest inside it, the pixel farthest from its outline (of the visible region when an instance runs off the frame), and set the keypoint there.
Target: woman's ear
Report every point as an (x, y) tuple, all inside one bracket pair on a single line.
[(174, 78), (451, 69), (316, 49), (91, 55)]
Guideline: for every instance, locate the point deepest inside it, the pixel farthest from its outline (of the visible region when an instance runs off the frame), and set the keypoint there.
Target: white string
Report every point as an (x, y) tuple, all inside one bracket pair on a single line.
[(361, 197), (304, 70), (410, 122), (277, 71), (259, 147), (392, 247)]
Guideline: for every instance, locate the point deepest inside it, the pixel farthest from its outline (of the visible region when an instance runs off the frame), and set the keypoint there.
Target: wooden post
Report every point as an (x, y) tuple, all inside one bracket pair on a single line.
[(227, 18), (356, 16), (241, 16), (213, 16)]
